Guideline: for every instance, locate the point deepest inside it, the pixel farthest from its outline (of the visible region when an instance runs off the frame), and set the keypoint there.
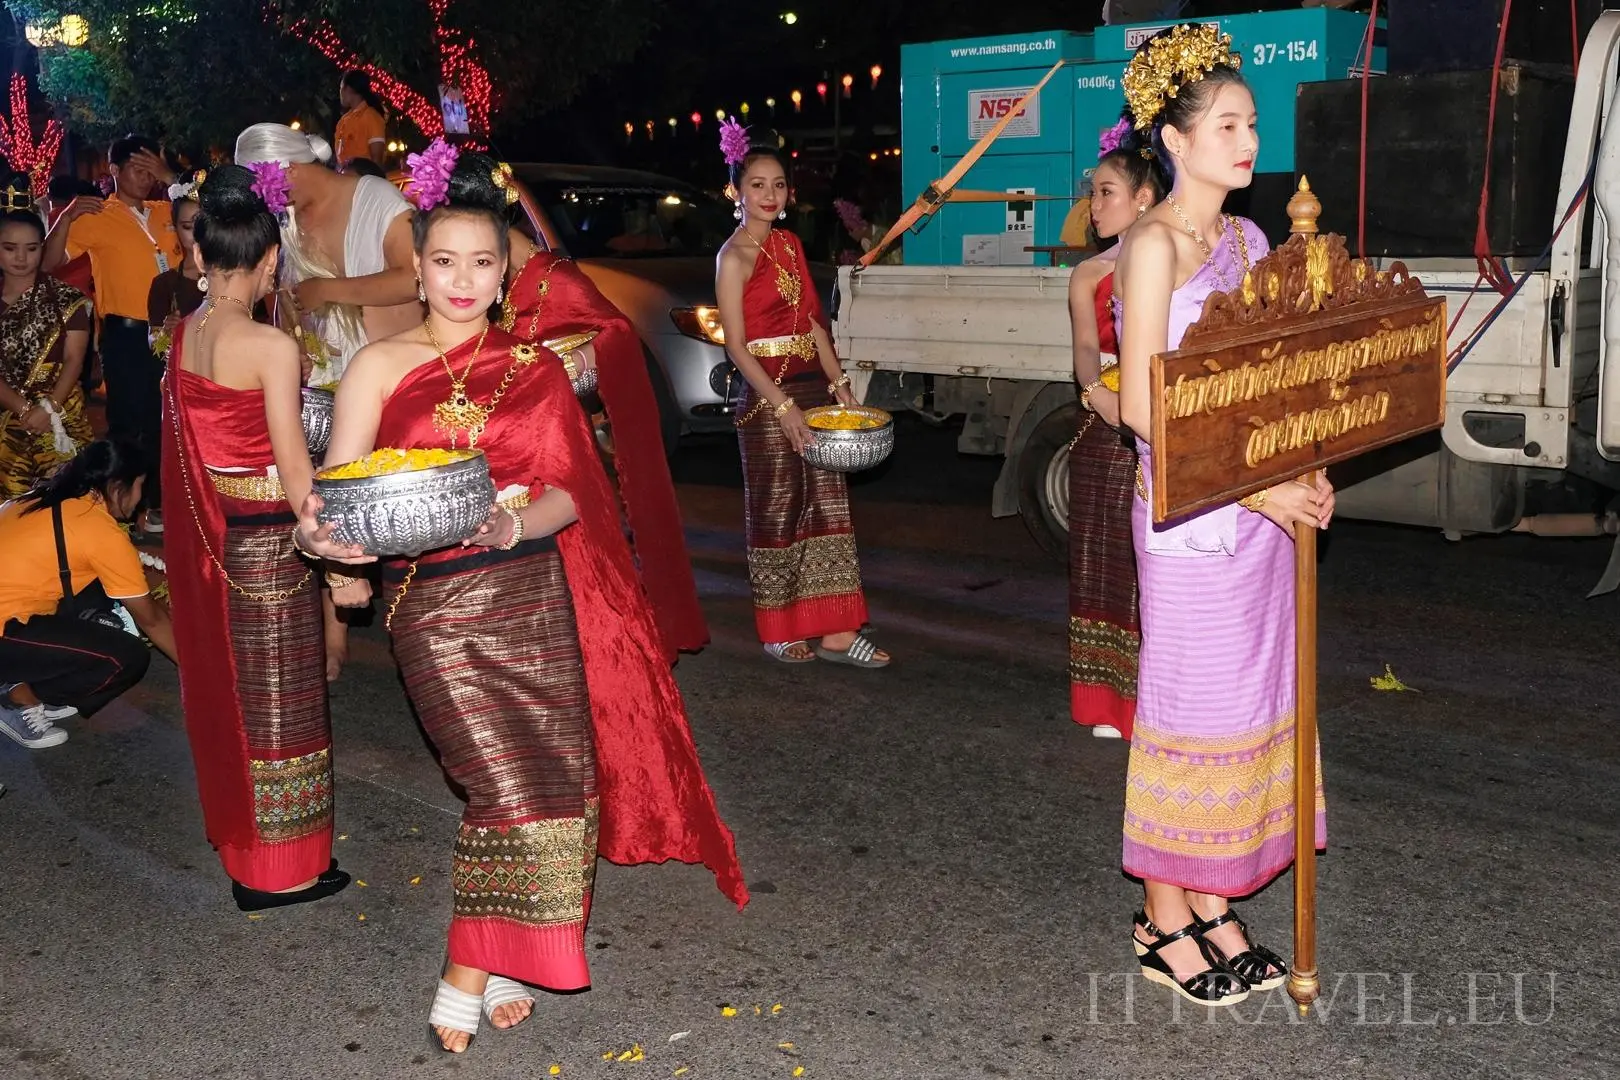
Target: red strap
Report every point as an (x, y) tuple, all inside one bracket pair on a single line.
[(1366, 82), (1489, 268)]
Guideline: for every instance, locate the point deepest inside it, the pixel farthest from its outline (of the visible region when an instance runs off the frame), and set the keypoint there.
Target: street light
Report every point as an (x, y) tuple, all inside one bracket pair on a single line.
[(75, 30), (789, 17), (798, 101), (877, 73), (849, 81)]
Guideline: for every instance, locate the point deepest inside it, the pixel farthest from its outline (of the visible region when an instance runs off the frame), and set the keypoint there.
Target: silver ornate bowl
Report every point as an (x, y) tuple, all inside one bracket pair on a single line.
[(584, 383), (317, 416), (409, 512), (850, 450)]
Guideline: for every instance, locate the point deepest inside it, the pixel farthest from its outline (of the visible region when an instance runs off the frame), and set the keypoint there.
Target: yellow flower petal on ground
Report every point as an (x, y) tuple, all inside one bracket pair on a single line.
[(556, 1070), (1389, 681), (778, 1007), (798, 1070), (608, 1056), (637, 1054), (683, 1070), (343, 836), (361, 883), (758, 1011), (727, 1011), (362, 917), (255, 918), (417, 880), (786, 1046)]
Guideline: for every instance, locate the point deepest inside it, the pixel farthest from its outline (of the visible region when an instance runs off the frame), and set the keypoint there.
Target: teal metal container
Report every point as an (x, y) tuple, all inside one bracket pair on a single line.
[(952, 91)]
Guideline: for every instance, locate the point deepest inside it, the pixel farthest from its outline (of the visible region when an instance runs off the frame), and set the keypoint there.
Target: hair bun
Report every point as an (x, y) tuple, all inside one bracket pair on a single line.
[(472, 183), (227, 196)]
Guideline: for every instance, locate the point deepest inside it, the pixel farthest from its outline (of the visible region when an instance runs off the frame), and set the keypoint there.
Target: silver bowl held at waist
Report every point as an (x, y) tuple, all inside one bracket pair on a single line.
[(317, 415), (407, 513), (852, 450)]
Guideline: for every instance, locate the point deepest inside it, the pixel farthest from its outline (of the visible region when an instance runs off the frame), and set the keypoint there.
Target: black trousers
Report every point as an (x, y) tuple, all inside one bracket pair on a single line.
[(68, 661), (134, 381)]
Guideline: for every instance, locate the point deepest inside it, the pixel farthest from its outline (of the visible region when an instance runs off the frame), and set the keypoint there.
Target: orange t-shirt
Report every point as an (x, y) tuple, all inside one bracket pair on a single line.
[(356, 131), (126, 253), (97, 550)]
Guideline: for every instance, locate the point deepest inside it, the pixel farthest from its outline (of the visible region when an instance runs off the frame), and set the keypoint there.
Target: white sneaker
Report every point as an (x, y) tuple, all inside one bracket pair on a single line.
[(53, 713), (30, 727), (1106, 731)]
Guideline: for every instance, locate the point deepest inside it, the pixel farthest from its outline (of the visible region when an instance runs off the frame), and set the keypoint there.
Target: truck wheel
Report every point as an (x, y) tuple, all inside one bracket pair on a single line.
[(1043, 480)]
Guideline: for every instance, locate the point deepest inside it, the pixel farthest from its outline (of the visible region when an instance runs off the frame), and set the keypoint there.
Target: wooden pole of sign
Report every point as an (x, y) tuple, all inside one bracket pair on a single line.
[(1303, 984)]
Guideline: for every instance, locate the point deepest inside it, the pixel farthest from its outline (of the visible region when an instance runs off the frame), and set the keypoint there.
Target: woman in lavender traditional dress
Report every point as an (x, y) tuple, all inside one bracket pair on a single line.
[(1208, 801)]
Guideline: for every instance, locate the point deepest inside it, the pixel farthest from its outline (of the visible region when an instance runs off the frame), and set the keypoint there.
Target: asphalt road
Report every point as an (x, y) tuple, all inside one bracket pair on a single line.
[(933, 850)]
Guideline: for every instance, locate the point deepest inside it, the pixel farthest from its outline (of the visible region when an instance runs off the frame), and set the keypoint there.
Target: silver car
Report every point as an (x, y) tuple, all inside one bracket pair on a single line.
[(649, 243)]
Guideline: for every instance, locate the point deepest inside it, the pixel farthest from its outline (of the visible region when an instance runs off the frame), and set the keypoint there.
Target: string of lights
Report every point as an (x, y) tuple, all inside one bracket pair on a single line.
[(17, 142)]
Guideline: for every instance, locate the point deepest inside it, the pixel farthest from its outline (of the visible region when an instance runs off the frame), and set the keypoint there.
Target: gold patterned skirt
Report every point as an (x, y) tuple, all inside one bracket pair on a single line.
[(490, 653), (280, 670), (802, 563)]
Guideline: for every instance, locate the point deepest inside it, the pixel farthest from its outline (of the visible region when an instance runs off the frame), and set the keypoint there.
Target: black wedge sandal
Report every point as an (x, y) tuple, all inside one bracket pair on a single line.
[(1257, 965), (1215, 987)]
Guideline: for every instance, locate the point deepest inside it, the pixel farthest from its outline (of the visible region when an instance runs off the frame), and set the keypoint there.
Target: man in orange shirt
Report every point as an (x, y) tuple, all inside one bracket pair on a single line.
[(130, 239), (362, 131)]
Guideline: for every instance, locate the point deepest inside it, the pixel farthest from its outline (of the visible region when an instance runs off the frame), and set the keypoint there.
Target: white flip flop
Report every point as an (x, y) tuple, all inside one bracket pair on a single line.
[(455, 1009), (503, 991)]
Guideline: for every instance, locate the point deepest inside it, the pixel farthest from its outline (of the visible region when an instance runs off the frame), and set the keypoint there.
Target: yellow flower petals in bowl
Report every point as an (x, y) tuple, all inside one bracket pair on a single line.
[(848, 438), (388, 462)]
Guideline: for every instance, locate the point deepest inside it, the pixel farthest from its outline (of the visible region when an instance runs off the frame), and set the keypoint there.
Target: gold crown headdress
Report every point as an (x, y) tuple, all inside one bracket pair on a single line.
[(1172, 61), (13, 199)]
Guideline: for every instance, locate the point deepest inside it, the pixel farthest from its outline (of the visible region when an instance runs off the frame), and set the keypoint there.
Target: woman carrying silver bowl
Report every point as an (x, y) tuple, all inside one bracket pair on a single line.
[(802, 564), (235, 465), (528, 650)]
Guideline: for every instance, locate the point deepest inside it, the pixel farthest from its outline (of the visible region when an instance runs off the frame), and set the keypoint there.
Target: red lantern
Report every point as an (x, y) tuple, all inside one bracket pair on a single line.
[(697, 120), (849, 81), (821, 88)]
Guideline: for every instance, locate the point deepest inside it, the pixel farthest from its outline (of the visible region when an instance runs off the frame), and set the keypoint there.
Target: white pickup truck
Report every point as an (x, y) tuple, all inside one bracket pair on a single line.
[(1532, 434)]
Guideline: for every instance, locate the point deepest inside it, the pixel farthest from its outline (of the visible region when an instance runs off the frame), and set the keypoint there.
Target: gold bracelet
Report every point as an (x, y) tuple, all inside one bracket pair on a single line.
[(297, 546), (338, 581), (832, 387), (782, 409), (517, 530), (569, 367), (1085, 394), (1256, 501)]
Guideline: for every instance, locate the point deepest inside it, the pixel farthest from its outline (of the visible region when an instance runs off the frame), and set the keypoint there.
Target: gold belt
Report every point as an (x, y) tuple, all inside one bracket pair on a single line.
[(800, 345), (248, 487)]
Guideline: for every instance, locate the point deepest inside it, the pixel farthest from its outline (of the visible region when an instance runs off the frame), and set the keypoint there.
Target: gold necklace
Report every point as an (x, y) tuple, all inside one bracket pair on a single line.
[(1203, 245), (787, 282), (458, 412), (213, 302)]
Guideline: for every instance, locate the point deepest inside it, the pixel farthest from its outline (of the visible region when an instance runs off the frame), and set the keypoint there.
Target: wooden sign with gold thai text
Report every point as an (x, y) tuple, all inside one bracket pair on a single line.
[(1315, 359)]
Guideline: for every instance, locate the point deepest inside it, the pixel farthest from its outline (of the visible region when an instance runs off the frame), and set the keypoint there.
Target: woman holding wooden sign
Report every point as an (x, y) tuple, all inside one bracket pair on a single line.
[(1208, 800)]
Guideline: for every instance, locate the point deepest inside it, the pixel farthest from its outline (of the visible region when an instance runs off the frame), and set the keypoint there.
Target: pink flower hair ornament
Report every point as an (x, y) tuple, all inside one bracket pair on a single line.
[(733, 141), (430, 174), (272, 184), (1113, 138)]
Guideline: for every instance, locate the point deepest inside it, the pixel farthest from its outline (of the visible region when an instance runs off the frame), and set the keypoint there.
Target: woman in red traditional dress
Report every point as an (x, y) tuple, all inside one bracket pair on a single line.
[(247, 615), (529, 652), (549, 297), (1105, 634), (802, 563)]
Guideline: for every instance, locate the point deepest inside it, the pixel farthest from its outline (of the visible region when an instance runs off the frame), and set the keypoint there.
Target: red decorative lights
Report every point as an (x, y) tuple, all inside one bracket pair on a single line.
[(17, 139)]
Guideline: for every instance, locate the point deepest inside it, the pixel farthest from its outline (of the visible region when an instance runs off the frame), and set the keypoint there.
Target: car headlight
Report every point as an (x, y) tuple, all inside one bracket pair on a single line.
[(701, 322)]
